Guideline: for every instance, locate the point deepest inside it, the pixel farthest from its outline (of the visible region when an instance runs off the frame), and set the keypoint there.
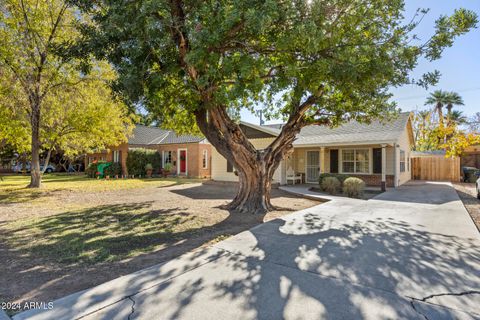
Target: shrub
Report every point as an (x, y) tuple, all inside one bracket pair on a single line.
[(331, 185), (340, 177), (137, 160), (91, 170), (114, 169), (353, 187)]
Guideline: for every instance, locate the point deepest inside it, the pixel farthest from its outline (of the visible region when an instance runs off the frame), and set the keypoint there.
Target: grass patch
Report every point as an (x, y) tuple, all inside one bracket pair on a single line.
[(13, 189), (102, 234)]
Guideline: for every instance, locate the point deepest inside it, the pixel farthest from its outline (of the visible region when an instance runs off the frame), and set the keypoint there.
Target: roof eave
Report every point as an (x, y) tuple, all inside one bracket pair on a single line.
[(344, 144)]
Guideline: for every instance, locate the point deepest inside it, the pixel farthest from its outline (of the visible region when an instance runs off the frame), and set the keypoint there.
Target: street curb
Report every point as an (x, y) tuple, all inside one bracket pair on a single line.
[(4, 316)]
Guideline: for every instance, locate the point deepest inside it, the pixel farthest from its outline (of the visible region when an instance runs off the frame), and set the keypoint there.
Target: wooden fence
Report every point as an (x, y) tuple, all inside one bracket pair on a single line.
[(436, 168)]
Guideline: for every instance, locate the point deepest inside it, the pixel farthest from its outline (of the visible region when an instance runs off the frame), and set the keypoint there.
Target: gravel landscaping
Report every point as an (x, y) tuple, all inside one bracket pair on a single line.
[(466, 192)]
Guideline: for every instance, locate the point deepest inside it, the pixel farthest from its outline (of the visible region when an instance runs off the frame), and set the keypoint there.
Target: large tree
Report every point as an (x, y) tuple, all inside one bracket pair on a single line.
[(43, 93), (308, 62)]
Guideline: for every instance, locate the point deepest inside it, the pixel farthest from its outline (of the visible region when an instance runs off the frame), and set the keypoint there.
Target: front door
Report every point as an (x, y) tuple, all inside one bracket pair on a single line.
[(312, 166), (183, 162)]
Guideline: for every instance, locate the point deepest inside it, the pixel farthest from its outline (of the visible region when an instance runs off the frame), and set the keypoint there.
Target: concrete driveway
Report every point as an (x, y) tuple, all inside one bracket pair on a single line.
[(409, 253)]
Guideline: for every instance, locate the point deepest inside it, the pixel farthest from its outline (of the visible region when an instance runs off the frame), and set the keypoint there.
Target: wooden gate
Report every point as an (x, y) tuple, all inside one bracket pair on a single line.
[(436, 168)]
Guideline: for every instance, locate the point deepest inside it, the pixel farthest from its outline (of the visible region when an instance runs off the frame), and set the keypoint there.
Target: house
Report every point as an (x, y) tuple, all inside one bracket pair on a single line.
[(378, 153), (471, 157), (189, 155)]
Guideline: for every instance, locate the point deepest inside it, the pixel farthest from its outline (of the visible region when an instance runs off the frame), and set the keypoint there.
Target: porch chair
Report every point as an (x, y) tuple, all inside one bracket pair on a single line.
[(292, 176)]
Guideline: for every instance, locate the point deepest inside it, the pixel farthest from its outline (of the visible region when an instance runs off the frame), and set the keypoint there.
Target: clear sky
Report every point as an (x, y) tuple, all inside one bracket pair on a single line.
[(459, 65)]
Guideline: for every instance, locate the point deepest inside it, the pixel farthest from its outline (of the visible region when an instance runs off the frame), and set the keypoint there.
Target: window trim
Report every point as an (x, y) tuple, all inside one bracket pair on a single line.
[(340, 160), (164, 158), (205, 159), (404, 160), (116, 156)]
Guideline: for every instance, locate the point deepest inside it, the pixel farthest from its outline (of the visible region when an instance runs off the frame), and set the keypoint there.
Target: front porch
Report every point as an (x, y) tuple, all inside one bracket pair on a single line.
[(374, 164)]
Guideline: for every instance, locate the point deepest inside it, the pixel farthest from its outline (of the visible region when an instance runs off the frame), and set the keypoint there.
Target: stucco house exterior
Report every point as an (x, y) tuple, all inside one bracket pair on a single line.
[(378, 153), (189, 155)]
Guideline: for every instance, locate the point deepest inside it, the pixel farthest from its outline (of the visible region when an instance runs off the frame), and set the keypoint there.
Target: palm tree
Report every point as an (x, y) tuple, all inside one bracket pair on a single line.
[(452, 99), (457, 117), (438, 98)]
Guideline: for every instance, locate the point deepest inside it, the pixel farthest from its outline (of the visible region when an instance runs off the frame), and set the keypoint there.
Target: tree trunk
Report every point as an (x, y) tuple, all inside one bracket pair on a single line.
[(255, 168), (47, 160), (254, 189), (35, 174)]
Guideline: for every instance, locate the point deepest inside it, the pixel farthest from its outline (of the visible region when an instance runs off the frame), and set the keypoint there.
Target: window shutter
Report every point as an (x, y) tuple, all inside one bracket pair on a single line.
[(377, 160), (229, 166)]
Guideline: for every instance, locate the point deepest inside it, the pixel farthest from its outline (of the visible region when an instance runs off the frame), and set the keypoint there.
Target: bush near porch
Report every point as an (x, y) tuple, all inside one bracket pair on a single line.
[(339, 176)]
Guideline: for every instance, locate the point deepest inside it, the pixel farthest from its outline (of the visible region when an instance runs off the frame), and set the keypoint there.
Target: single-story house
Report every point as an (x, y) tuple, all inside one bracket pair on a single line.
[(189, 155), (378, 153)]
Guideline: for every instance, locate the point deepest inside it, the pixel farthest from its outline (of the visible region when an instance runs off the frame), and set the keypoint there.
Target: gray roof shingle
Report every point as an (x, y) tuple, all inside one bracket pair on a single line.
[(144, 135), (351, 132), (354, 132)]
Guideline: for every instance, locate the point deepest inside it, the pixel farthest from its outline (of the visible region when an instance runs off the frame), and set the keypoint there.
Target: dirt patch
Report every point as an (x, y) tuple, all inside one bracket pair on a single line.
[(468, 195), (34, 268)]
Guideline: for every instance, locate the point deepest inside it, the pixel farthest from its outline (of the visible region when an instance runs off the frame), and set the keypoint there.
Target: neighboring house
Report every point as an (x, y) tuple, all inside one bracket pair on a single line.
[(372, 152), (189, 155), (471, 157)]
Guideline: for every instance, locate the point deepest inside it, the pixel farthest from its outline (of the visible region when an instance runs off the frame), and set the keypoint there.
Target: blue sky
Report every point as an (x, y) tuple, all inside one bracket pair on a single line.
[(459, 65)]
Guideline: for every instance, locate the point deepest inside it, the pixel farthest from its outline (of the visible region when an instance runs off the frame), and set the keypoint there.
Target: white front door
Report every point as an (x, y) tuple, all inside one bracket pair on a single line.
[(312, 166)]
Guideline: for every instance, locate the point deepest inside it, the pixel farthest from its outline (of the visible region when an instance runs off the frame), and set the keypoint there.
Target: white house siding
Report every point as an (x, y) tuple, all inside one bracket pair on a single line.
[(219, 163), (299, 157), (404, 144)]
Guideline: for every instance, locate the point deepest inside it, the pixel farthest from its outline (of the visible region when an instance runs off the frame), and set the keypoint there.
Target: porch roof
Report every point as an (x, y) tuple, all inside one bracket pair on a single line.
[(353, 132)]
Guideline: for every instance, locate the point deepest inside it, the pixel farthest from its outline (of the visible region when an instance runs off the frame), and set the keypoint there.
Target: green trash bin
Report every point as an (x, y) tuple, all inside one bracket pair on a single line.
[(101, 169)]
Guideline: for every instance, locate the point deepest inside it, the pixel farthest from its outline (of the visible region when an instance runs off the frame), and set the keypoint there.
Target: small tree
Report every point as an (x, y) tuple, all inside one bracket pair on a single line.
[(307, 62), (49, 99)]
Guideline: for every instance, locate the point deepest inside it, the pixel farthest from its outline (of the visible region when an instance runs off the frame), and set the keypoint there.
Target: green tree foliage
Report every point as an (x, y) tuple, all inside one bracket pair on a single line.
[(137, 159), (45, 98), (193, 63)]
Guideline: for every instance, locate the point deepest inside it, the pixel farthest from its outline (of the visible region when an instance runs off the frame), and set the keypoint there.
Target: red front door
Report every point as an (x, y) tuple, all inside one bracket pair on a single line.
[(183, 161)]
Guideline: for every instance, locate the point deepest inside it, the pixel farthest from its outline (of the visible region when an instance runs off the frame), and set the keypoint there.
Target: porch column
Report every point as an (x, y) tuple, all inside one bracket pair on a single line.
[(322, 159), (384, 167)]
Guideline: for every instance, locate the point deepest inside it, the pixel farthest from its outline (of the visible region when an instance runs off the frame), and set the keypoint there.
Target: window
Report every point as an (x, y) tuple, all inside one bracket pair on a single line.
[(205, 159), (167, 157), (402, 161), (356, 161), (116, 156)]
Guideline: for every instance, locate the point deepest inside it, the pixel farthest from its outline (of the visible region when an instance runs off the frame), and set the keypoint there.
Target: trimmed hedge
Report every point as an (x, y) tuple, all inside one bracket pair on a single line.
[(339, 176), (353, 187), (114, 169), (137, 159), (331, 185)]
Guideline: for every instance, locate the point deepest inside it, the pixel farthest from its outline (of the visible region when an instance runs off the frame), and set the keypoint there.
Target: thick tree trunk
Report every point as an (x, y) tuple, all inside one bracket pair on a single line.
[(254, 189), (255, 168), (35, 174)]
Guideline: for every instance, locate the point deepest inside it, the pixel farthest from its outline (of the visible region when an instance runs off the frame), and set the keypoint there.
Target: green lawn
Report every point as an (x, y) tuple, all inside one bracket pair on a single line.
[(100, 234), (65, 221), (13, 189)]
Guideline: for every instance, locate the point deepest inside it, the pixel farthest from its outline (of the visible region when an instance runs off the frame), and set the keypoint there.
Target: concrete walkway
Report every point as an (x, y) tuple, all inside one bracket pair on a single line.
[(409, 253)]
